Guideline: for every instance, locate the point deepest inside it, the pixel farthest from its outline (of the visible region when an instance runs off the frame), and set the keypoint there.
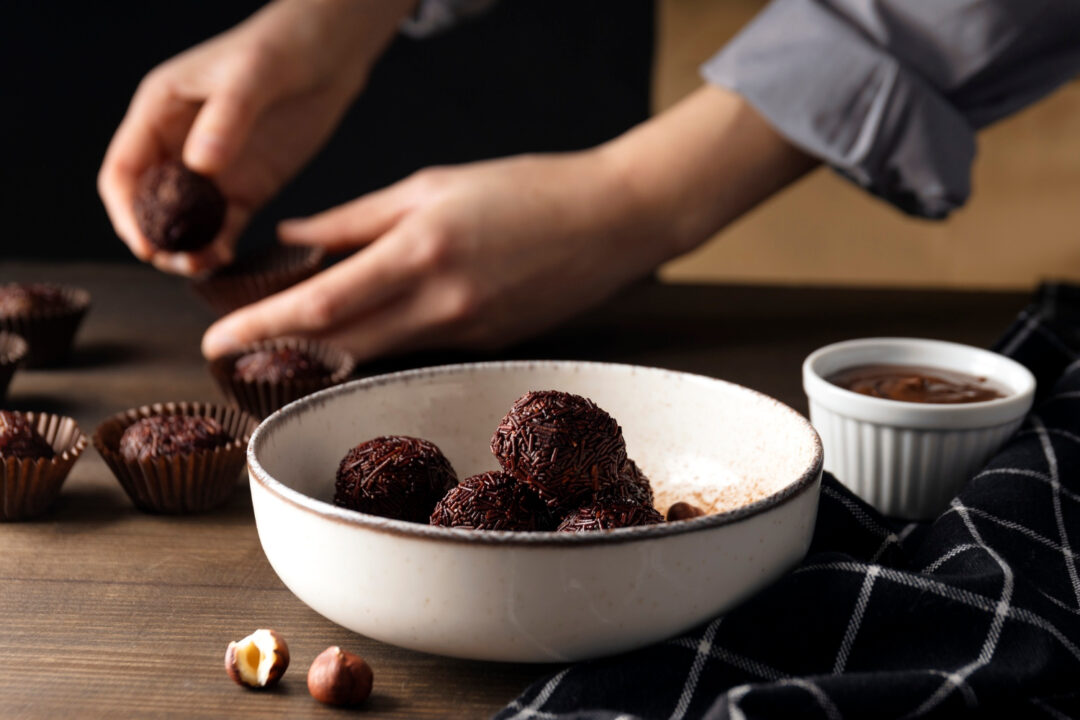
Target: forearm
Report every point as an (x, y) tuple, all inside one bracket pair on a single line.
[(347, 35), (697, 167)]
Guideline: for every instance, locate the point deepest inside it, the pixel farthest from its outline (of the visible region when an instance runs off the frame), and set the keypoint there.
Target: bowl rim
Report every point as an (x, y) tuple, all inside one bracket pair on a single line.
[(418, 531), (885, 411)]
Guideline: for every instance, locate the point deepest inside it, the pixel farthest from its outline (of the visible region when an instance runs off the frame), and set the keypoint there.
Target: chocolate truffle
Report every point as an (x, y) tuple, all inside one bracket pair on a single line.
[(394, 476), (608, 515), (279, 365), (19, 439), (24, 299), (178, 210), (492, 501), (562, 445), (632, 486), (166, 435)]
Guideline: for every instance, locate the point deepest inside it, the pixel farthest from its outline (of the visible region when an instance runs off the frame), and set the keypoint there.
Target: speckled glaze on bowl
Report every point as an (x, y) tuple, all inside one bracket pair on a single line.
[(752, 462)]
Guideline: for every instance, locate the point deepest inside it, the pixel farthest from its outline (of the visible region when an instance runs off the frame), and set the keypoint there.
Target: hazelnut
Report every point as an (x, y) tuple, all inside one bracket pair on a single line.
[(339, 678), (683, 511), (259, 660)]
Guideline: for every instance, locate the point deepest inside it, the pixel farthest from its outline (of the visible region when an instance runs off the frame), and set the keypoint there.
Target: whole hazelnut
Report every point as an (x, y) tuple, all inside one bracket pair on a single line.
[(259, 660), (683, 511), (339, 678)]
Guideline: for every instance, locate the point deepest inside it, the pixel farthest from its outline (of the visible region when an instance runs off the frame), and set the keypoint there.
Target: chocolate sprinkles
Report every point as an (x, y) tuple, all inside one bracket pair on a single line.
[(609, 515), (562, 446), (394, 476), (492, 501)]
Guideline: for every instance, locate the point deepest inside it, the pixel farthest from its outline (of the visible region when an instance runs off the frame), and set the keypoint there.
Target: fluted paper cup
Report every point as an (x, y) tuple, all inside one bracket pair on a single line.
[(250, 280), (50, 333), (261, 398), (189, 482), (910, 459), (28, 486), (13, 351)]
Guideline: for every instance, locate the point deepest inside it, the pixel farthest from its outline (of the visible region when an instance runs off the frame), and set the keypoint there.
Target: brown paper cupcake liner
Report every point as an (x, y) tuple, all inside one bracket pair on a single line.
[(250, 280), (50, 333), (29, 486), (13, 350), (263, 398), (183, 483)]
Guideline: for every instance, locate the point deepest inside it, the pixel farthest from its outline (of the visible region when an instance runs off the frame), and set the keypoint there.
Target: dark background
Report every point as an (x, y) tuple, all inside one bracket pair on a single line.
[(530, 75)]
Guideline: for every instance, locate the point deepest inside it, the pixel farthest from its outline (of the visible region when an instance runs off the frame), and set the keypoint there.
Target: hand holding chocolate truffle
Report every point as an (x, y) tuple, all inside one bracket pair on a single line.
[(246, 109)]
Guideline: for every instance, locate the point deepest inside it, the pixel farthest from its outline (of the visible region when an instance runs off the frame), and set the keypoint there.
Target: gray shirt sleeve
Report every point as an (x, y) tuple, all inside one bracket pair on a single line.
[(432, 17), (891, 92)]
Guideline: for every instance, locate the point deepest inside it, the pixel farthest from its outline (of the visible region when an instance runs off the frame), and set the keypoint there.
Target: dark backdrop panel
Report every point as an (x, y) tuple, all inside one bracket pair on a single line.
[(531, 75)]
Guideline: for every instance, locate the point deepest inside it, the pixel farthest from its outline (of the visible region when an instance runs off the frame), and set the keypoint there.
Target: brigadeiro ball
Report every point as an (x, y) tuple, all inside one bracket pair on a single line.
[(19, 439), (562, 445), (178, 210), (632, 486), (167, 435), (492, 501), (27, 298), (394, 476), (279, 365), (608, 515)]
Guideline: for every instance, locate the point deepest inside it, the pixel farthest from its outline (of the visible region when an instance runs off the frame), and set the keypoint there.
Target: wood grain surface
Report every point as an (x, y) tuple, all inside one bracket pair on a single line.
[(106, 612)]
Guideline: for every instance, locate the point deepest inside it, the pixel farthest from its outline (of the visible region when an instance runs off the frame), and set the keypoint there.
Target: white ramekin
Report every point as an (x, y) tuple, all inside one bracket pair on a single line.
[(909, 459)]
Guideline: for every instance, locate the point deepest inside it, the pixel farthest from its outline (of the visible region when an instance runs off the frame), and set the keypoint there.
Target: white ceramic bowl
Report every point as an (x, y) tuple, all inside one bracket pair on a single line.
[(753, 463), (910, 459)]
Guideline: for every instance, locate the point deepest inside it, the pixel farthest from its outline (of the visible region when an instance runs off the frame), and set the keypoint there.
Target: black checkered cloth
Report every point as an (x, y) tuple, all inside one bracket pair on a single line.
[(974, 614)]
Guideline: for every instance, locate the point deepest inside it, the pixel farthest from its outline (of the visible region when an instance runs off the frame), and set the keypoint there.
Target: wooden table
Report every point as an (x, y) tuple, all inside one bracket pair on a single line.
[(107, 612)]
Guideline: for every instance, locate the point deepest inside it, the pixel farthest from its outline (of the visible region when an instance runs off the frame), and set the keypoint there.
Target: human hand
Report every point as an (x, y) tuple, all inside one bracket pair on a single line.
[(247, 108), (472, 256), (484, 254)]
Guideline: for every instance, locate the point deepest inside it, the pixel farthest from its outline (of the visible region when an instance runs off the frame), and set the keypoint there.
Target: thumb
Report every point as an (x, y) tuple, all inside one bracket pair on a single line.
[(224, 122)]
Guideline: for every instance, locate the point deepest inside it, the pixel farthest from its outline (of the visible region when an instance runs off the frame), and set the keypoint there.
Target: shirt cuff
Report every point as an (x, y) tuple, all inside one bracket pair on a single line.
[(829, 90), (432, 17)]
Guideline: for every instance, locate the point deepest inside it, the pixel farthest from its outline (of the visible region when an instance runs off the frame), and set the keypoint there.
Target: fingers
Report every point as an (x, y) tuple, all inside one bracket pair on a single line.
[(137, 144), (352, 225), (224, 122), (219, 253), (342, 293)]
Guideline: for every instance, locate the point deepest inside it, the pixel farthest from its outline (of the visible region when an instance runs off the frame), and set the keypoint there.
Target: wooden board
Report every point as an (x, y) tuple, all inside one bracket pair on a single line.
[(106, 612)]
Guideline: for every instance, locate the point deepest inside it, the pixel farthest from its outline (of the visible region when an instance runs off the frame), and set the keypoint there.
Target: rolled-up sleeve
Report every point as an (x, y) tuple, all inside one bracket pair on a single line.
[(891, 92)]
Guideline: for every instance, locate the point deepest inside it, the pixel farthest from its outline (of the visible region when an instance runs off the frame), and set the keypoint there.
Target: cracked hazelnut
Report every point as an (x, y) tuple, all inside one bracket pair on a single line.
[(259, 660), (339, 678)]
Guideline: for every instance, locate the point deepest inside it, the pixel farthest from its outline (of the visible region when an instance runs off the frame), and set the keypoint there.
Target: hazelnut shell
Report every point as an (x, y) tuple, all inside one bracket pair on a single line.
[(339, 678)]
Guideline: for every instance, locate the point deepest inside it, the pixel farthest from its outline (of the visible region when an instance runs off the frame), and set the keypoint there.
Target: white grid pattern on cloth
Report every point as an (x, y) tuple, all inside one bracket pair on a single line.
[(698, 663), (965, 597), (856, 619), (993, 634), (1001, 609), (1052, 712), (1023, 472), (1059, 517)]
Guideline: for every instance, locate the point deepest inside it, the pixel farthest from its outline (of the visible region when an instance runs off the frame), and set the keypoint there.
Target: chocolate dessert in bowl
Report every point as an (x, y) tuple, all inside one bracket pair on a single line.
[(529, 447), (905, 421)]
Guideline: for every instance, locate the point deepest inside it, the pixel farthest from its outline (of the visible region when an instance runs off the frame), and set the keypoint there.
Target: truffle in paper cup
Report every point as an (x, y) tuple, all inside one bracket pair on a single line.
[(187, 482), (28, 486), (252, 279), (262, 397), (13, 350), (48, 331)]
